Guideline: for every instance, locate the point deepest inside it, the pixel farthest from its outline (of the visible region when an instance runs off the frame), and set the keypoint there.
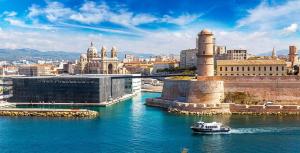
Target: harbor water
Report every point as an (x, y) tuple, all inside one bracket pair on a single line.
[(132, 127)]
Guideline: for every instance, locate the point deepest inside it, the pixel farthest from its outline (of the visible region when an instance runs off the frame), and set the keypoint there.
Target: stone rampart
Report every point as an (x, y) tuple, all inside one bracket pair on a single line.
[(279, 89), (194, 91)]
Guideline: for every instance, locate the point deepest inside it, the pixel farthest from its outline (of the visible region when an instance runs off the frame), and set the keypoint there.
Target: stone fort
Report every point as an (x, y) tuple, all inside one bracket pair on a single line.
[(216, 93)]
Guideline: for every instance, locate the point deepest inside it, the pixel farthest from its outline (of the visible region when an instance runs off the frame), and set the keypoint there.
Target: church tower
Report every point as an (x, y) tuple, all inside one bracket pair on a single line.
[(273, 53), (103, 52), (205, 55), (113, 52)]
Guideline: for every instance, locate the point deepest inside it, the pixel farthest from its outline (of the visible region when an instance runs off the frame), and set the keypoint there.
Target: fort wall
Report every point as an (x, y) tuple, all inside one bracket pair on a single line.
[(194, 91), (278, 89)]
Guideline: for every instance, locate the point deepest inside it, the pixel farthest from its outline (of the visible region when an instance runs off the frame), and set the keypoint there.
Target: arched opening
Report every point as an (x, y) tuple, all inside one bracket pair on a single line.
[(110, 69)]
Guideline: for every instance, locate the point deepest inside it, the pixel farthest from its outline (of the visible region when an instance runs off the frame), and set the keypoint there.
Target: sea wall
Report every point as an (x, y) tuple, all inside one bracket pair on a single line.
[(66, 113), (224, 108), (188, 108), (261, 109)]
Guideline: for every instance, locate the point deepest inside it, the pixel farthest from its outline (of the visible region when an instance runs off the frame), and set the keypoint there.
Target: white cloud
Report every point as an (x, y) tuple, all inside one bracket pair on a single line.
[(34, 11), (9, 14), (268, 17), (92, 13), (291, 29), (181, 20), (15, 22), (56, 11)]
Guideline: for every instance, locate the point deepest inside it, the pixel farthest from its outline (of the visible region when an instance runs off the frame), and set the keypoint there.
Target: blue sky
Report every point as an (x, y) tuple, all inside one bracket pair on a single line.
[(156, 26)]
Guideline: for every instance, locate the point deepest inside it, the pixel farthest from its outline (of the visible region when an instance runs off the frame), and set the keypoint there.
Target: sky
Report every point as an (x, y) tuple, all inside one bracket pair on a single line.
[(148, 26)]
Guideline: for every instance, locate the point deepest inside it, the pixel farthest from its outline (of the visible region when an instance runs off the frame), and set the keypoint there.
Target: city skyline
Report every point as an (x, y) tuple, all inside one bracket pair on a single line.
[(149, 27)]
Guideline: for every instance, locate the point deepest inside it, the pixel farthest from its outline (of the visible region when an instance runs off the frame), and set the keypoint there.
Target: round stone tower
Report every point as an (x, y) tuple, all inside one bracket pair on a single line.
[(205, 61)]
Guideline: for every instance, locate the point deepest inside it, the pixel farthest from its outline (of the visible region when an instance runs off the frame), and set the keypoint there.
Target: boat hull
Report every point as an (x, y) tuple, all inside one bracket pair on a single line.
[(199, 130)]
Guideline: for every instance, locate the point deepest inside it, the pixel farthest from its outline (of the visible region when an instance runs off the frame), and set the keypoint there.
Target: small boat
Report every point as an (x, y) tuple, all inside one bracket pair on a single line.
[(209, 128)]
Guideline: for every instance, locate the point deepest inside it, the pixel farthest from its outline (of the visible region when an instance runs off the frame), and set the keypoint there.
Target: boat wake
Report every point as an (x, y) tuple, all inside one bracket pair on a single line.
[(262, 130)]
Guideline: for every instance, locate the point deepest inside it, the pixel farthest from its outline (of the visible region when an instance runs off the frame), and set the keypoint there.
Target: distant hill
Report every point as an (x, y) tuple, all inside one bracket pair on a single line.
[(34, 55), (278, 52)]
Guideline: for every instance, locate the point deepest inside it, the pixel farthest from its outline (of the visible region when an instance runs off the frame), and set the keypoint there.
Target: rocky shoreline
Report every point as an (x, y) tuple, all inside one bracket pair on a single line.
[(60, 113)]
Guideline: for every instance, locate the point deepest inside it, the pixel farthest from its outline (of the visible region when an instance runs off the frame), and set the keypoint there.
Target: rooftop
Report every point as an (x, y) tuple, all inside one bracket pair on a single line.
[(250, 62)]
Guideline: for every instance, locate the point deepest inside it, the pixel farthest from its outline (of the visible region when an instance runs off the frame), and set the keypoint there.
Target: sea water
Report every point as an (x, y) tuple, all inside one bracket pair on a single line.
[(131, 126)]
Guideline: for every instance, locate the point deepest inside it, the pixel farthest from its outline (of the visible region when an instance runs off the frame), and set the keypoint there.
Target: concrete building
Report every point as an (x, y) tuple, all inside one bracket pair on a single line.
[(80, 89), (163, 65), (92, 63), (293, 55), (236, 54), (188, 58), (7, 70), (220, 50), (35, 70), (68, 68), (251, 68)]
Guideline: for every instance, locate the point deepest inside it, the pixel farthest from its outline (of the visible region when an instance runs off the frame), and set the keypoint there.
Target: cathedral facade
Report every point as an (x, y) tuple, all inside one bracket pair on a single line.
[(93, 63)]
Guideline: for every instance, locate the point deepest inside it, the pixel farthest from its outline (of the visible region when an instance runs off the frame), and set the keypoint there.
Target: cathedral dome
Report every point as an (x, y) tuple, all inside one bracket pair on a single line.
[(92, 51), (83, 56)]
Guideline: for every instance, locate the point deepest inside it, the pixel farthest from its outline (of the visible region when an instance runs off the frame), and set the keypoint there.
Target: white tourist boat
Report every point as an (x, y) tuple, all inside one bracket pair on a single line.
[(209, 128)]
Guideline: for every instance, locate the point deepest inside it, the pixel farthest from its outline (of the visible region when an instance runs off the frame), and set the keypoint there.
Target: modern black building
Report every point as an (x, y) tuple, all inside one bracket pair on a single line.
[(69, 89)]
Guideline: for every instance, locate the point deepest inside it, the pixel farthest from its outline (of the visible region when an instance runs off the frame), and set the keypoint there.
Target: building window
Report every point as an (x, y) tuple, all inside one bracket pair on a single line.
[(265, 68), (270, 68), (259, 69), (243, 69), (253, 68), (276, 68), (282, 68), (221, 68), (231, 68), (225, 68), (237, 68), (248, 68)]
